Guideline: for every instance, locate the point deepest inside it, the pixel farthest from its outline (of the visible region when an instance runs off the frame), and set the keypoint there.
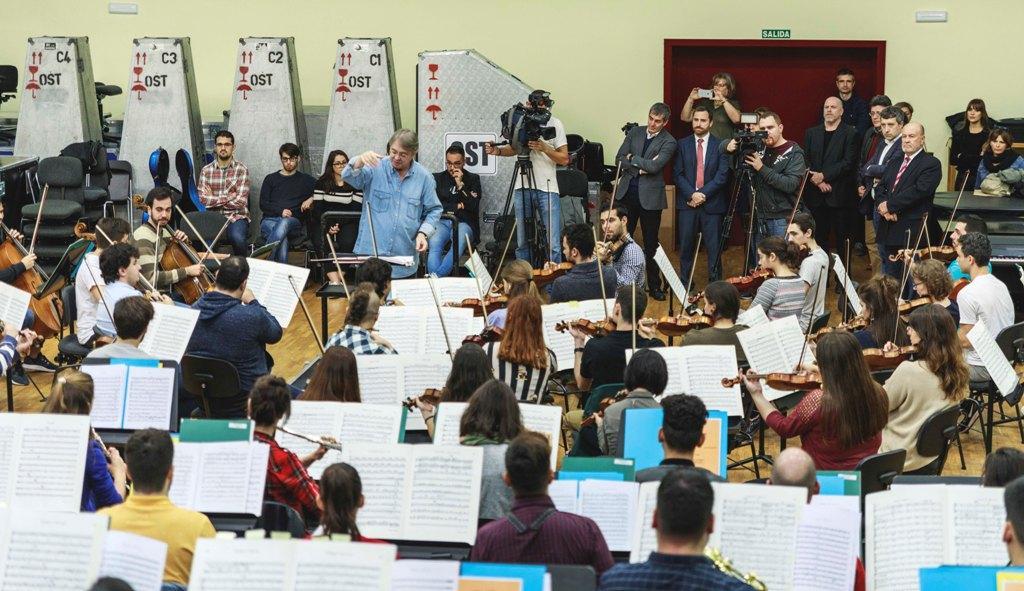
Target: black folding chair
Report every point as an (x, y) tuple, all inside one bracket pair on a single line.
[(934, 438), (215, 384)]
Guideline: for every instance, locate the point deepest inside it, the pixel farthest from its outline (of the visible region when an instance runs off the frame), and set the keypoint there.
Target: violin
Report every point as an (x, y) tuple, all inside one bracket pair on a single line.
[(946, 254), (490, 302), (602, 406), (676, 326), (856, 323), (610, 249), (431, 396), (82, 231), (888, 359), (48, 309), (589, 327), (490, 334), (908, 307), (742, 283), (801, 380), (960, 284), (542, 277)]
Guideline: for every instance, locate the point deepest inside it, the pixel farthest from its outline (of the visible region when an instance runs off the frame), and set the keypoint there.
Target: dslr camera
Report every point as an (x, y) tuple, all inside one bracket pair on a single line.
[(526, 123), (629, 126)]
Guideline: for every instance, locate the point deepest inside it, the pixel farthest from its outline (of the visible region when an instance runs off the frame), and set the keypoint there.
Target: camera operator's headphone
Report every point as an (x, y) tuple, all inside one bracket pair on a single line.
[(541, 96)]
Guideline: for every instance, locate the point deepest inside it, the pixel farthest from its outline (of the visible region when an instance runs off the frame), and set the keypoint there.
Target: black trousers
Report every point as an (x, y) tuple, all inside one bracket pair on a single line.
[(843, 221), (650, 223)]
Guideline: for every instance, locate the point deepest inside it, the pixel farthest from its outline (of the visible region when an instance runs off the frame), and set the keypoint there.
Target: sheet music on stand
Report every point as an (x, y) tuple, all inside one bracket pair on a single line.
[(417, 329), (390, 379), (169, 332), (137, 560), (131, 396), (416, 292), (752, 316), (541, 418), (477, 267), (27, 482), (851, 289), (561, 343), (674, 282), (56, 551), (271, 283), (698, 370), (995, 362), (220, 477), (13, 306), (775, 347)]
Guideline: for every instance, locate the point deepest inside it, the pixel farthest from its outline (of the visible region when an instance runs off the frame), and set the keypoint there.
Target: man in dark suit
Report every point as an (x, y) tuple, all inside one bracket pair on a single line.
[(905, 195), (701, 174), (831, 152), (459, 192), (643, 155), (887, 152)]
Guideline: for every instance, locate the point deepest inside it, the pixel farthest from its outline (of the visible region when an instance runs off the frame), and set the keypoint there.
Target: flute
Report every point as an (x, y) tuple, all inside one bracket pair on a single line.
[(327, 444)]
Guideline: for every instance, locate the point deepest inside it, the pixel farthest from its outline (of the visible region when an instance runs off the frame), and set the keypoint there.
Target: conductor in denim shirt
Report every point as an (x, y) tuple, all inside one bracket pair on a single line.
[(402, 199)]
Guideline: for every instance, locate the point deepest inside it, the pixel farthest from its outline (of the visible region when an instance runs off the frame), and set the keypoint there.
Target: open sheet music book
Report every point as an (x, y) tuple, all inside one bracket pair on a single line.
[(13, 306), (669, 272), (561, 343), (477, 267), (220, 477), (169, 332), (827, 544), (416, 330), (998, 366), (131, 396), (698, 370), (911, 527), (135, 559), (542, 418), (752, 316), (52, 551), (775, 347), (611, 504), (286, 565), (418, 492), (416, 292), (387, 379), (42, 461), (348, 422), (272, 283)]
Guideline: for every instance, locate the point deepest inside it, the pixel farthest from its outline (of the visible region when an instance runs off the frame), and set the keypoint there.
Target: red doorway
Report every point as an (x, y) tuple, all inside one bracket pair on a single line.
[(792, 78)]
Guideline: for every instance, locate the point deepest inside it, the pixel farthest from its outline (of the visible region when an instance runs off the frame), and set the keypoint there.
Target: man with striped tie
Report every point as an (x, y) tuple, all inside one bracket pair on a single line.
[(905, 195)]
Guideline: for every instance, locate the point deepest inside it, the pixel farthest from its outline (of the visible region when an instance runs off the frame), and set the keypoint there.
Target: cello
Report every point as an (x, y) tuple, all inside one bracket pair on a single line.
[(48, 310), (177, 255)]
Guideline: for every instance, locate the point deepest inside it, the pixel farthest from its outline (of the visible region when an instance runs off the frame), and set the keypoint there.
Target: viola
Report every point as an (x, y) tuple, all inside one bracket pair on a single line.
[(856, 323), (960, 284), (490, 302), (602, 406), (544, 276), (431, 396), (743, 283), (888, 358), (801, 380), (589, 327), (490, 334), (82, 231), (48, 309), (680, 324), (908, 307), (940, 253)]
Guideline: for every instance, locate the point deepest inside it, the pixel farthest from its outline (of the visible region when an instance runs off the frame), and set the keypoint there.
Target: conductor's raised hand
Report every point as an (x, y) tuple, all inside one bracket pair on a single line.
[(369, 158)]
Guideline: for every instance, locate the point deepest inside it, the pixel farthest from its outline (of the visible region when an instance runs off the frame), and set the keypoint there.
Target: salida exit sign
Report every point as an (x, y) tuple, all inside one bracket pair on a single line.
[(776, 34)]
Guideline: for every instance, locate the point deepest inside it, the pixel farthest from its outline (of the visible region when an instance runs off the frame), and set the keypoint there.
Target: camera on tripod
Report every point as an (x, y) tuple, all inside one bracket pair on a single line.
[(629, 126), (749, 141), (526, 123)]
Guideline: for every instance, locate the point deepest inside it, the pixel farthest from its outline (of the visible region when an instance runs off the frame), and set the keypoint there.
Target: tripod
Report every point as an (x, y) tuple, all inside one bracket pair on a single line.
[(744, 179), (535, 228)]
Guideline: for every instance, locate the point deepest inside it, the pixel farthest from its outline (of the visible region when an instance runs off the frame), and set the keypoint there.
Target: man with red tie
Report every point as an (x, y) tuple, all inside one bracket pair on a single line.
[(701, 176), (905, 195)]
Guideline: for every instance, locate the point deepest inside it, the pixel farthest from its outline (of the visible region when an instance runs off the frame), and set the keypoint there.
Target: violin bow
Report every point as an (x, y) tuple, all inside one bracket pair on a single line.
[(908, 259), (799, 196), (373, 232), (952, 216), (199, 236), (305, 311), (632, 304), (615, 187), (216, 238), (142, 278), (600, 277), (846, 282), (549, 230), (337, 266), (693, 267), (39, 219), (504, 252), (479, 288), (431, 281), (156, 253)]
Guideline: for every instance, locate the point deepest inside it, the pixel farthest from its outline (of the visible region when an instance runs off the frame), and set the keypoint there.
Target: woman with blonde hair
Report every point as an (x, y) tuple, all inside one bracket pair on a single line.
[(936, 379), (521, 359), (516, 279), (105, 481)]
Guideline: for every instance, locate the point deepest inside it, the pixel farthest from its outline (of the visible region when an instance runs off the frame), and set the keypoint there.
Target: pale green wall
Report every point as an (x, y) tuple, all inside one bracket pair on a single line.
[(601, 59)]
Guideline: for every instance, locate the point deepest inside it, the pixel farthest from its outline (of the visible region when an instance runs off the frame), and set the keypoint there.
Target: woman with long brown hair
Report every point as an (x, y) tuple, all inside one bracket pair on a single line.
[(934, 380), (969, 136), (491, 420), (521, 359), (516, 279), (840, 424), (341, 497), (878, 298), (998, 155), (331, 194), (335, 378)]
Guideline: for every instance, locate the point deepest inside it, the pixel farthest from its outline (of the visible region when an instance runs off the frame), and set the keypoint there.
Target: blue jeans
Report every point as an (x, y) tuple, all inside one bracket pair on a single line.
[(549, 205), (764, 228), (439, 256), (238, 236), (280, 229)]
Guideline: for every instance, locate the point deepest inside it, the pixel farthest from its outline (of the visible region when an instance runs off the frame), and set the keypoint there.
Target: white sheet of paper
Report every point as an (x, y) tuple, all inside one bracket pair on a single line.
[(828, 544), (13, 306), (384, 470), (771, 511), (169, 332), (561, 343), (443, 502), (52, 551), (644, 536), (150, 395), (380, 378), (420, 372), (327, 566), (904, 532), (314, 418), (851, 289), (137, 560), (416, 292), (698, 370), (544, 419), (612, 505), (42, 461), (254, 565), (458, 322), (109, 382), (976, 519), (259, 456), (272, 284), (215, 477), (752, 316), (477, 267), (995, 362), (674, 282), (404, 327), (564, 494), (446, 422), (425, 575)]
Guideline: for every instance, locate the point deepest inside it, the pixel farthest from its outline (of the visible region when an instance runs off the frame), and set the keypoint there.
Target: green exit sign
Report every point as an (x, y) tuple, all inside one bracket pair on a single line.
[(776, 34)]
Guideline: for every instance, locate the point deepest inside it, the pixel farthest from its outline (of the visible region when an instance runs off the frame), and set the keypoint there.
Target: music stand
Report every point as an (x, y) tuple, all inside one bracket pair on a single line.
[(68, 264), (120, 436), (263, 253)]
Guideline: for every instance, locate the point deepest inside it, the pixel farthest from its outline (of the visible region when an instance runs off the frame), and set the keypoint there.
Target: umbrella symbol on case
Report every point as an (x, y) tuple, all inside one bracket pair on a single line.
[(344, 90), (243, 86), (433, 110), (32, 84), (138, 86)]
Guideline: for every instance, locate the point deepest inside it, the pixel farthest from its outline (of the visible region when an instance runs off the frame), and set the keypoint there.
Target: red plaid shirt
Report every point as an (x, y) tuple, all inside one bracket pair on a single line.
[(225, 189), (288, 482)]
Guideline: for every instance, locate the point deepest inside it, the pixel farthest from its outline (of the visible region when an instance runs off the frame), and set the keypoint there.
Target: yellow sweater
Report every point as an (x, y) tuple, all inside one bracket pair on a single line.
[(915, 394), (154, 516)]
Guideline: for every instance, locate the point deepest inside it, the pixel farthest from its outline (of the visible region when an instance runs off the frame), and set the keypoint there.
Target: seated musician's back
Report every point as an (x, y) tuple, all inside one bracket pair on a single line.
[(581, 282)]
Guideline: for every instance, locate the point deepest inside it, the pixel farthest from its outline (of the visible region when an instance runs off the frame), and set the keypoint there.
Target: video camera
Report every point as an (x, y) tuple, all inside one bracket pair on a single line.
[(526, 123), (747, 141)]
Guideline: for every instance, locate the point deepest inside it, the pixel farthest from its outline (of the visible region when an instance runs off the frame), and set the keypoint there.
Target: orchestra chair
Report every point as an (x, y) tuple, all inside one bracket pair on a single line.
[(208, 223), (64, 206), (882, 375), (590, 406), (120, 189), (68, 348), (1010, 341), (572, 577), (280, 517), (877, 471), (918, 479), (573, 192), (935, 437), (215, 384), (821, 321)]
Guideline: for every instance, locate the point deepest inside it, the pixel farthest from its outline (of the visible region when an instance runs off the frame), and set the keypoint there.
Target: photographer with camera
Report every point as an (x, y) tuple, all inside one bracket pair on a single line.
[(643, 155), (776, 167), (540, 145), (720, 101)]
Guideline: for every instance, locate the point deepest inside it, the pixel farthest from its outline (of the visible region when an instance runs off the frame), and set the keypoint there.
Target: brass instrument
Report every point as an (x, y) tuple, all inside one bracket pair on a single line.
[(725, 565)]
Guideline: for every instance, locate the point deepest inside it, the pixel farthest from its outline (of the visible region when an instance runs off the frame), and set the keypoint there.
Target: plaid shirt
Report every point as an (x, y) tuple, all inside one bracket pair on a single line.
[(630, 264), (360, 341), (667, 571), (288, 482), (225, 189)]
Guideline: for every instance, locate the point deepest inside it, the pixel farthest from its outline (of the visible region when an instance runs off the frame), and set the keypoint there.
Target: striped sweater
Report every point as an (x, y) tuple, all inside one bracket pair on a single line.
[(145, 241)]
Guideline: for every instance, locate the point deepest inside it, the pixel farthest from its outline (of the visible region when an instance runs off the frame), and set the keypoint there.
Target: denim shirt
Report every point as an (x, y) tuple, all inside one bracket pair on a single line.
[(400, 208)]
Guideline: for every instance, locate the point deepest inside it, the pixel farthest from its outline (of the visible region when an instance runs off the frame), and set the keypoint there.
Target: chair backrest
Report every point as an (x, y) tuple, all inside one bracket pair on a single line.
[(937, 431), (572, 182), (280, 517), (215, 383), (572, 577), (60, 172), (882, 375), (599, 393), (877, 471), (120, 188), (70, 304), (209, 224), (1011, 343), (821, 321)]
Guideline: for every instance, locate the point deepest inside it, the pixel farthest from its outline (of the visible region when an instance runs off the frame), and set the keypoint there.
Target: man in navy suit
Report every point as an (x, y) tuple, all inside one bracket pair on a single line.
[(888, 151), (905, 195), (701, 173)]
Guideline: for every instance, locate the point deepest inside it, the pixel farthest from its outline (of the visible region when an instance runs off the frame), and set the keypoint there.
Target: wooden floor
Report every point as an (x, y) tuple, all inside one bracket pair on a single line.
[(297, 348)]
